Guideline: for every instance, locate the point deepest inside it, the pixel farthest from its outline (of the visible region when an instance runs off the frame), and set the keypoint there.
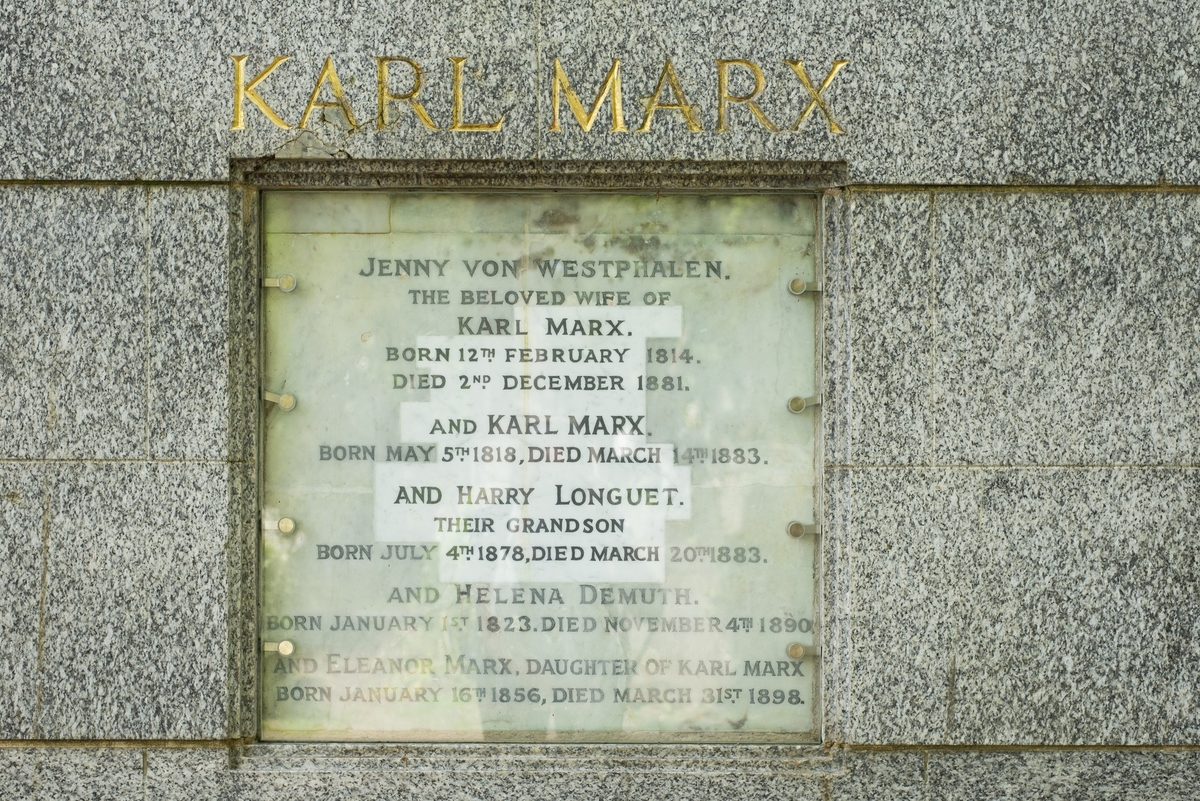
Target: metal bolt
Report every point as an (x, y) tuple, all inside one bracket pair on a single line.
[(285, 282), (798, 530), (794, 651), (287, 525), (285, 402), (798, 286), (287, 648), (798, 404)]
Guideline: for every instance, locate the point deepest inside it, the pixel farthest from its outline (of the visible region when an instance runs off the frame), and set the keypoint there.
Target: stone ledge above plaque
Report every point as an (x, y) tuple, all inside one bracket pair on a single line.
[(540, 466)]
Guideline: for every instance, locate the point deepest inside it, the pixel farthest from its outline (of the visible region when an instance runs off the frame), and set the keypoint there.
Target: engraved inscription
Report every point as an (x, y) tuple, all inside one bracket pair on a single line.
[(542, 475)]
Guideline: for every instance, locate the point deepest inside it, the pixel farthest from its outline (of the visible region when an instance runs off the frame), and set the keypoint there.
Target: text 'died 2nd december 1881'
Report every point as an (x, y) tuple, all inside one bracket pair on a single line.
[(534, 467)]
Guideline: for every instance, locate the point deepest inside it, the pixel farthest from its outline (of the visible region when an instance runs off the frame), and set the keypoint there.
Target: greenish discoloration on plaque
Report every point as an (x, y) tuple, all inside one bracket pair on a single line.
[(541, 467)]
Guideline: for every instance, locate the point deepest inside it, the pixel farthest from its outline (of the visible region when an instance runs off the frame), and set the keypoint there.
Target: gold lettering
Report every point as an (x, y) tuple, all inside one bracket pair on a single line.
[(681, 105), (817, 101), (724, 98), (243, 91), (409, 97), (456, 109), (612, 84), (328, 75)]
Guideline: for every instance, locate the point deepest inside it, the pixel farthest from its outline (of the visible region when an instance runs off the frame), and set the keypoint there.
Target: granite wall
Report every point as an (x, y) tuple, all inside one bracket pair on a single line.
[(1012, 500)]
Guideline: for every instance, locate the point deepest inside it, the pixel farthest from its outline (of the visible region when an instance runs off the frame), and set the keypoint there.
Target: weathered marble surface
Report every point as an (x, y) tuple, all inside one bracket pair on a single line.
[(1055, 92)]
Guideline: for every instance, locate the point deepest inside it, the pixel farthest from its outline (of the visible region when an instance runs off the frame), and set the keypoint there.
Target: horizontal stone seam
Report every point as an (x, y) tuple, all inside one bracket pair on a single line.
[(115, 182), (1022, 189), (634, 770), (17, 460), (1021, 466), (469, 750), (864, 188), (1011, 749), (96, 744)]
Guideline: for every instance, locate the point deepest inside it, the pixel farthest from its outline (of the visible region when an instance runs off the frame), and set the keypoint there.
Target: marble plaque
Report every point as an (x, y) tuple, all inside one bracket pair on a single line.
[(530, 470)]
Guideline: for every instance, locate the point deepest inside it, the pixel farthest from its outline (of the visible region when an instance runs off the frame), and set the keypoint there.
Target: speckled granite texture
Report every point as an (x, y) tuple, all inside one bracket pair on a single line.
[(23, 507), (121, 566), (1053, 92), (265, 773), (1011, 498), (1011, 559), (74, 264), (1024, 328), (116, 329), (188, 317), (119, 502), (1023, 606), (135, 602)]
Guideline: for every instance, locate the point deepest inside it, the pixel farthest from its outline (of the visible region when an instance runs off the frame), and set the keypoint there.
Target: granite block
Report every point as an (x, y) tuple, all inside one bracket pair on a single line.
[(188, 774), (1064, 775), (18, 772), (836, 266), (890, 343), (586, 38), (1087, 631), (468, 772), (189, 326), (23, 499), (836, 622), (73, 344), (1072, 71), (136, 628), (194, 51), (521, 771), (76, 101), (90, 774), (879, 776), (1066, 329), (901, 525), (895, 107), (934, 92), (1024, 606)]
